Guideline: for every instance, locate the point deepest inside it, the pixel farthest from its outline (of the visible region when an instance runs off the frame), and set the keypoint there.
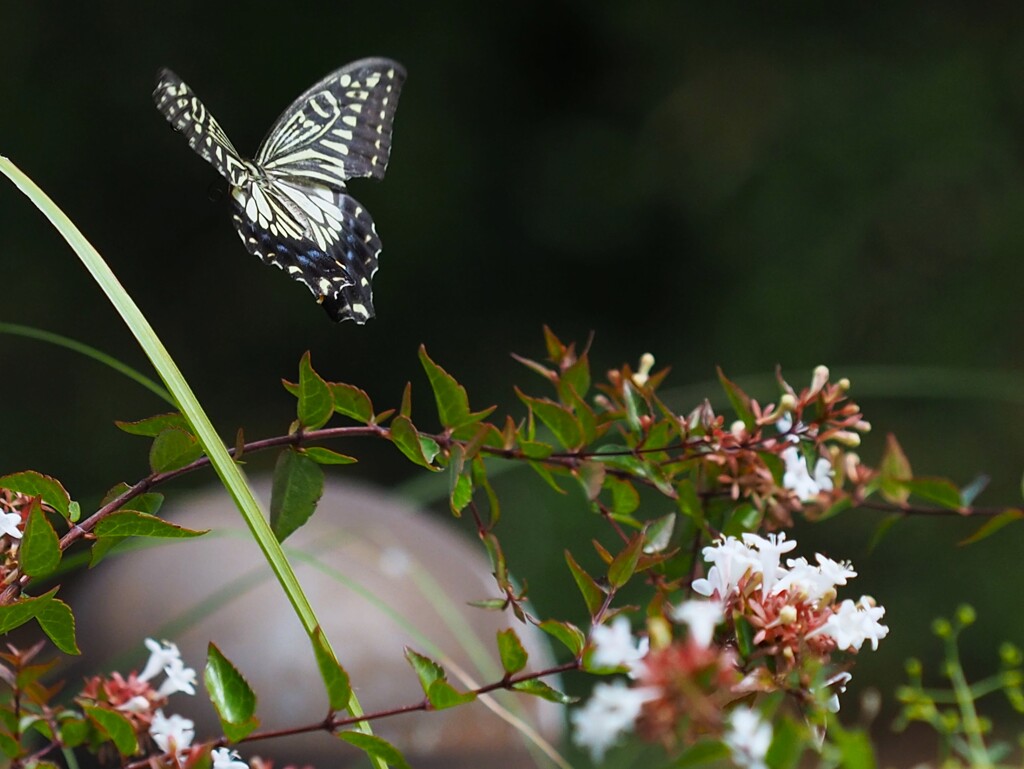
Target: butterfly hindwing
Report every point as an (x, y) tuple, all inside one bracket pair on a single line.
[(291, 207), (188, 115), (332, 250)]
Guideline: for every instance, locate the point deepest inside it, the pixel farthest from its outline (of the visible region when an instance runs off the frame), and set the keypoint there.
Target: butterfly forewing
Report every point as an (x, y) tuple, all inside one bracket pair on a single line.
[(188, 115), (340, 128), (291, 208)]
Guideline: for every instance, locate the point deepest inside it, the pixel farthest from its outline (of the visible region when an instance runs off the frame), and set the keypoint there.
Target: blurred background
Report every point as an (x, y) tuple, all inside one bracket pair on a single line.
[(744, 187)]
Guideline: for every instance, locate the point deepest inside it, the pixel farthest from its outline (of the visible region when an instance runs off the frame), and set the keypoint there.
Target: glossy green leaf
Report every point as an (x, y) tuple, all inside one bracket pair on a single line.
[(335, 679), (567, 633), (451, 398), (994, 524), (442, 695), (230, 694), (144, 503), (298, 486), (575, 379), (739, 400), (625, 498), (129, 523), (55, 618), (538, 688), (593, 595), (39, 553), (557, 418), (420, 451), (460, 493), (323, 456), (173, 449), (658, 533), (153, 426), (352, 402), (21, 611), (895, 471), (510, 648), (426, 669), (938, 490), (498, 565), (622, 568), (115, 726), (376, 748), (33, 484), (316, 404)]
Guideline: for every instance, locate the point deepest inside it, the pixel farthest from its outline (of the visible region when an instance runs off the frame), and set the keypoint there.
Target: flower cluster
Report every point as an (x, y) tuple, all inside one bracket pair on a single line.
[(688, 687)]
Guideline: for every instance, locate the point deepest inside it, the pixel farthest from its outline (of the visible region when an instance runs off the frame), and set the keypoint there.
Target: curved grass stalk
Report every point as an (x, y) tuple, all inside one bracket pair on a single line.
[(229, 473)]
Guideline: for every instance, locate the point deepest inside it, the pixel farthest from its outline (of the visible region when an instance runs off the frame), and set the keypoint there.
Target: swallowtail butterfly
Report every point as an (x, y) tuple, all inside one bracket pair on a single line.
[(290, 205)]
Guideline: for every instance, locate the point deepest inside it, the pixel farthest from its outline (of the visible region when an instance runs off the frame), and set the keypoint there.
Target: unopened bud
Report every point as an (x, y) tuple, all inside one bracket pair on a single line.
[(787, 615), (787, 403), (843, 384), (738, 429), (643, 372), (863, 426), (819, 378), (846, 438)]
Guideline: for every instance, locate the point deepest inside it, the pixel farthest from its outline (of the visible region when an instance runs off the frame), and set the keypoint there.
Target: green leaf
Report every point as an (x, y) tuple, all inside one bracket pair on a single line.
[(702, 752), (510, 648), (55, 618), (230, 694), (443, 695), (33, 484), (426, 669), (316, 404), (298, 486), (739, 400), (625, 498), (460, 482), (499, 566), (545, 472), (115, 726), (39, 553), (420, 451), (452, 400), (352, 402), (558, 419), (323, 456), (128, 523), (173, 449), (855, 749), (336, 680), (658, 533), (575, 379), (567, 633), (937, 490), (993, 524), (622, 568), (593, 595), (894, 472), (591, 476), (153, 426), (538, 688), (375, 747), (144, 503), (21, 611)]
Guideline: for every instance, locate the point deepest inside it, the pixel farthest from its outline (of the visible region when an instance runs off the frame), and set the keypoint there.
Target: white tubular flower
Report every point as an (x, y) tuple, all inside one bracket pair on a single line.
[(179, 679), (160, 656), (137, 704), (223, 758), (614, 646), (173, 733), (701, 617), (611, 711), (748, 738), (797, 477), (732, 559), (10, 524), (769, 553), (854, 623)]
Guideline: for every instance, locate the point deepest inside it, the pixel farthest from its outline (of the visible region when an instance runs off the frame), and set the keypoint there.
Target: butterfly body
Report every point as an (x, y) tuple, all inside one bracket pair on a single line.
[(290, 203)]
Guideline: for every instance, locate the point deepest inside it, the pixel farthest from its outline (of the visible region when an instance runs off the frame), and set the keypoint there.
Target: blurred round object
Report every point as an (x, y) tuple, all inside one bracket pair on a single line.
[(380, 574)]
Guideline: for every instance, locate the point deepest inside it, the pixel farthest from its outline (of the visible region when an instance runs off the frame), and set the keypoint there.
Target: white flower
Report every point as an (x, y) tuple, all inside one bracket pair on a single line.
[(798, 479), (769, 553), (854, 623), (838, 681), (614, 647), (137, 704), (748, 738), (814, 582), (10, 525), (227, 759), (732, 559), (179, 679), (611, 711), (172, 733), (160, 656), (701, 617)]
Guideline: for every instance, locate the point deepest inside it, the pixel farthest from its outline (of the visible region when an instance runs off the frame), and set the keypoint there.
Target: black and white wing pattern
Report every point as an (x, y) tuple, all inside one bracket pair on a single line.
[(291, 208)]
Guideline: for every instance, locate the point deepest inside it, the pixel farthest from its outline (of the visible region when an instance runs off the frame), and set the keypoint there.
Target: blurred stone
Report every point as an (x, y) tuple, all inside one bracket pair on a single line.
[(380, 575)]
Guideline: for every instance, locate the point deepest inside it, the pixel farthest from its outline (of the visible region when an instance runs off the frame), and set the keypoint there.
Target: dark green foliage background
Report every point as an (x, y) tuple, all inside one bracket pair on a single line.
[(746, 186)]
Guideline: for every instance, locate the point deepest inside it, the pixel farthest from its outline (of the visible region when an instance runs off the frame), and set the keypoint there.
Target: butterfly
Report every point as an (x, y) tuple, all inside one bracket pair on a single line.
[(290, 204)]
